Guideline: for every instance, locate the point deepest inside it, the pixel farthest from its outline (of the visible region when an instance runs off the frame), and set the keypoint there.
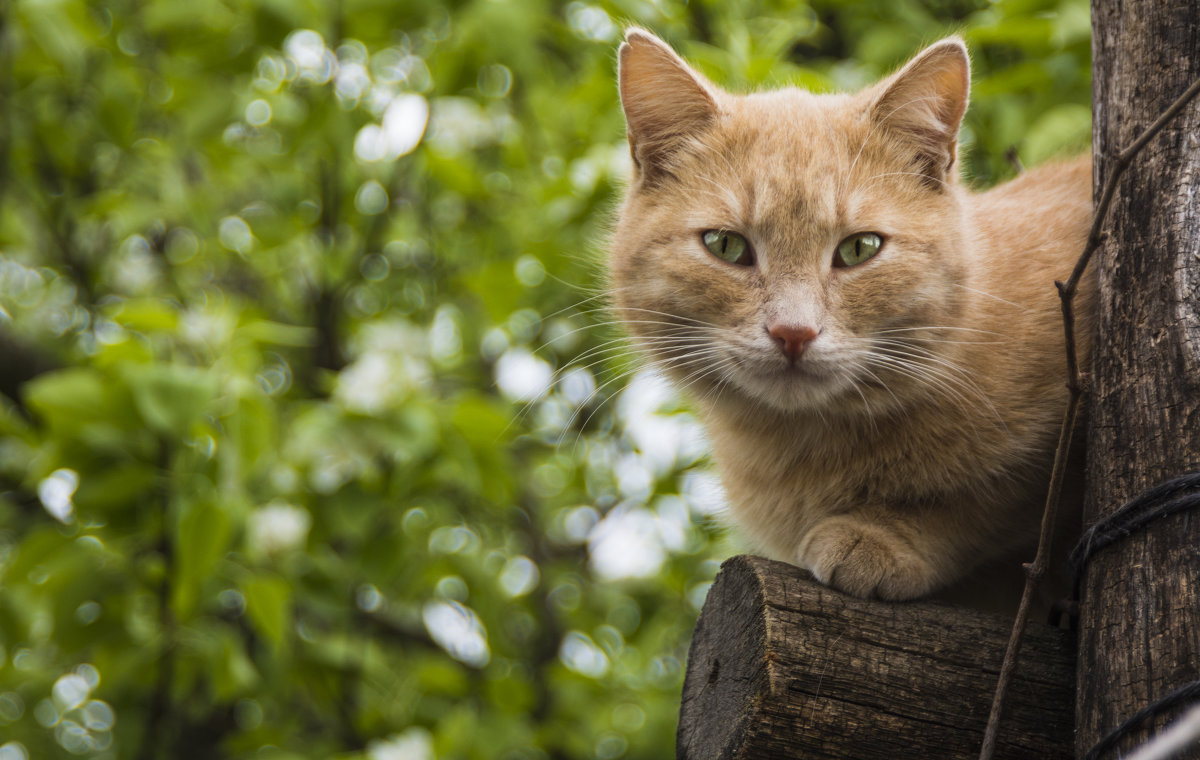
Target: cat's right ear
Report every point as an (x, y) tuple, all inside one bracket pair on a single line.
[(665, 101), (923, 104)]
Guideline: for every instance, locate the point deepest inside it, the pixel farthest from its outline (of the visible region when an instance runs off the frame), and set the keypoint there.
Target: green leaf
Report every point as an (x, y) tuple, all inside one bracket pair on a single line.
[(236, 673), (1060, 132), (201, 538), (268, 601), (278, 334), (170, 397), (66, 398), (147, 315)]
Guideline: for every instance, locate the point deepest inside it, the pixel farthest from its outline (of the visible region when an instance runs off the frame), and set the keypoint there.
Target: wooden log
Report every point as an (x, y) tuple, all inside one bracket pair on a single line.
[(1140, 616), (781, 667)]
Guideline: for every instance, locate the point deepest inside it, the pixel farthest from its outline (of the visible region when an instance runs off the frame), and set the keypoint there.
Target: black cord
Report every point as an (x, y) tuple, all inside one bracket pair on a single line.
[(1188, 693), (1176, 495)]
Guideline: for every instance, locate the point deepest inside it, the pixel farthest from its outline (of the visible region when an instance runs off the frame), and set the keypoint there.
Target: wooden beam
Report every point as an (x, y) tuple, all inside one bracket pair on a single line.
[(781, 667), (1139, 622)]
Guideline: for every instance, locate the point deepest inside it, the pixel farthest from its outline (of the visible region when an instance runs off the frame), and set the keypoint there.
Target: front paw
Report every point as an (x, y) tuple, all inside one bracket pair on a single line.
[(866, 560)]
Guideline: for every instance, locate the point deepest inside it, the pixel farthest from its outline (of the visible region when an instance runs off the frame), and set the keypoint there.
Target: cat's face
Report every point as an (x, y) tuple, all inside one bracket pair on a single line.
[(798, 250)]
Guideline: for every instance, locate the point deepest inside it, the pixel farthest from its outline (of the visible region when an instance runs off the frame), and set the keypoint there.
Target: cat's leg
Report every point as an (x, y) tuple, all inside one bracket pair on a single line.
[(867, 556)]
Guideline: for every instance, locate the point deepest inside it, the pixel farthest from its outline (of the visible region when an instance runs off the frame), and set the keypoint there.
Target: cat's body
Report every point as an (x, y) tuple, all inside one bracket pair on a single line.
[(887, 423)]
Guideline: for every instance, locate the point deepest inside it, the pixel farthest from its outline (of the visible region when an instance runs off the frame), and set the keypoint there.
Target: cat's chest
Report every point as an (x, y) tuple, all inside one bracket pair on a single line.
[(817, 465)]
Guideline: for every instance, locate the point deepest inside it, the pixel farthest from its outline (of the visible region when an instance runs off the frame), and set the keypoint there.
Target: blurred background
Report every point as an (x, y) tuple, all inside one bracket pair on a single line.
[(315, 438)]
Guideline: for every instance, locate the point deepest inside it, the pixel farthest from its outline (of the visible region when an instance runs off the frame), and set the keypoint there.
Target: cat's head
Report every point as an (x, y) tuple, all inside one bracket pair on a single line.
[(797, 250)]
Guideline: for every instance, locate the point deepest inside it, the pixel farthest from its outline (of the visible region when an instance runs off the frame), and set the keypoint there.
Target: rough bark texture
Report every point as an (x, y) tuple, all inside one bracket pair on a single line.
[(1140, 622), (782, 667)]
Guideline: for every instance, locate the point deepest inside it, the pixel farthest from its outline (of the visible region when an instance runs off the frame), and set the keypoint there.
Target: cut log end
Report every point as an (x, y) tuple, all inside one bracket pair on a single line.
[(781, 667)]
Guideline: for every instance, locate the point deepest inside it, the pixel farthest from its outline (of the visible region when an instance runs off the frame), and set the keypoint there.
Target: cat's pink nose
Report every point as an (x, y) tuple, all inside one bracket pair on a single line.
[(792, 339)]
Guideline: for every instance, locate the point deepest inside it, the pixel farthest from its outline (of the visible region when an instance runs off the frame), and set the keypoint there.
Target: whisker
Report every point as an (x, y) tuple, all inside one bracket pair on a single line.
[(942, 375), (989, 295), (894, 330)]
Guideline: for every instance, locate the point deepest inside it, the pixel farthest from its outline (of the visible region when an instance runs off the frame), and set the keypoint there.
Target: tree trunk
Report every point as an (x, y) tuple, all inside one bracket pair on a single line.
[(782, 668), (1140, 619)]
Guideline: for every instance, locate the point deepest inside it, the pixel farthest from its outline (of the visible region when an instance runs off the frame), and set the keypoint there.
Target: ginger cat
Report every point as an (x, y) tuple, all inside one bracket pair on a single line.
[(876, 351)]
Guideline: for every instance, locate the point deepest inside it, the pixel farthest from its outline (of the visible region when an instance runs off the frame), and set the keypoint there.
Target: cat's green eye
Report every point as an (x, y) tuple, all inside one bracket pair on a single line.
[(856, 249), (728, 246)]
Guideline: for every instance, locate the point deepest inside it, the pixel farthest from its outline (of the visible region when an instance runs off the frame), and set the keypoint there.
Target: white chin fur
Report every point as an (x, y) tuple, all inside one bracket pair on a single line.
[(793, 391)]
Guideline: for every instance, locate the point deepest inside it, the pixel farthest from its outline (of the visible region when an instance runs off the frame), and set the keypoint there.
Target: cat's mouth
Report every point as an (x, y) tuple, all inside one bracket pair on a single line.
[(791, 385)]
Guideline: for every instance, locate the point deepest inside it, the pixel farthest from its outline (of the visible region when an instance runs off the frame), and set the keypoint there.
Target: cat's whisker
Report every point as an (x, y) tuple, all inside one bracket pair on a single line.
[(866, 405), (912, 339), (673, 317), (575, 307), (701, 351), (606, 351), (949, 371), (916, 352), (574, 418), (898, 346), (955, 383), (924, 377), (989, 295), (700, 374), (861, 366), (892, 330), (693, 320), (602, 353), (626, 322)]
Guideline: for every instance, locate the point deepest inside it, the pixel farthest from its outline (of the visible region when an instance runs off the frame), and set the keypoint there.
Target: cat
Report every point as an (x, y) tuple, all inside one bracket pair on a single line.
[(876, 352)]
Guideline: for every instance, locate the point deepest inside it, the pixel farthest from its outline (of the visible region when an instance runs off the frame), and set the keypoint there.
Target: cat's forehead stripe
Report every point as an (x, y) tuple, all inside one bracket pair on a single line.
[(800, 155)]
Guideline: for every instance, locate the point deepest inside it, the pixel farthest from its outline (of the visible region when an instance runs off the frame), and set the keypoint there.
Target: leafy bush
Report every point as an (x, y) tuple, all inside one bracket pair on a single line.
[(339, 456)]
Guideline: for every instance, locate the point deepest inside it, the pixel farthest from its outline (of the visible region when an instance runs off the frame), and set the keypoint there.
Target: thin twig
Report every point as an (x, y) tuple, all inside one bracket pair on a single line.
[(1014, 159), (1035, 571)]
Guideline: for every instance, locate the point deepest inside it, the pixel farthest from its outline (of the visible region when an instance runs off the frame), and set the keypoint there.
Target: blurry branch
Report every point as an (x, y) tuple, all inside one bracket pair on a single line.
[(388, 627), (59, 226), (1077, 385), (327, 353), (353, 669), (550, 633), (327, 295), (337, 23), (395, 630), (160, 716), (6, 97)]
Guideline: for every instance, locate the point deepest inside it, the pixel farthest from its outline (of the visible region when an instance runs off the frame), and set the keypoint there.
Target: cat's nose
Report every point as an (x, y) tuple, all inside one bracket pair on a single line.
[(792, 339)]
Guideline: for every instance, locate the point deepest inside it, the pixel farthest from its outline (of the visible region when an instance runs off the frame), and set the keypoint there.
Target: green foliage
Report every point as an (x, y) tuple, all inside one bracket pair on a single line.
[(297, 488)]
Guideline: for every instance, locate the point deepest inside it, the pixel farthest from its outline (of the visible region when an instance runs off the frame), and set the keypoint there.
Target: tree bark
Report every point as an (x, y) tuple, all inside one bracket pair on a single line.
[(1140, 616), (781, 667)]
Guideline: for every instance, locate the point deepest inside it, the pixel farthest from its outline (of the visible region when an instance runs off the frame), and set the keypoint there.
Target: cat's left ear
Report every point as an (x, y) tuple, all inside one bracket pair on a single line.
[(924, 104)]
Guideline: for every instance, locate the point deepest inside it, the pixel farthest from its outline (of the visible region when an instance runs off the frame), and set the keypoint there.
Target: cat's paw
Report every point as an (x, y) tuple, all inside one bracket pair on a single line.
[(865, 560)]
